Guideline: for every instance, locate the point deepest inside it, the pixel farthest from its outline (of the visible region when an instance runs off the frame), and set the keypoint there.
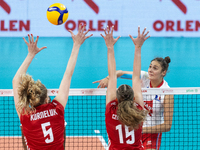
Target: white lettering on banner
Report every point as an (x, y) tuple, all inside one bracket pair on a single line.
[(101, 24), (173, 18), (12, 25), (43, 114), (178, 25)]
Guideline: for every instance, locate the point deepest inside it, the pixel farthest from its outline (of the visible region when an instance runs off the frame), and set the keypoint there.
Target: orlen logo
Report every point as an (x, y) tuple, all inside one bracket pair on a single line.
[(100, 25), (177, 25), (12, 25)]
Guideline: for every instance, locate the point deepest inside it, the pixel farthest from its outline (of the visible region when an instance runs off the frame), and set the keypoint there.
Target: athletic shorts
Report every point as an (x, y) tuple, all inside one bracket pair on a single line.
[(151, 141)]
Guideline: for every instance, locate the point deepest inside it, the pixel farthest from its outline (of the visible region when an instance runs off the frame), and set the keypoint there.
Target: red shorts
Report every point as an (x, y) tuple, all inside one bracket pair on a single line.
[(151, 141)]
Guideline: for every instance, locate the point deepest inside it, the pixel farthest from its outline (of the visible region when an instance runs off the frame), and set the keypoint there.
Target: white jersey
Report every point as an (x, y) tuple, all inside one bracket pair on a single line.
[(153, 103)]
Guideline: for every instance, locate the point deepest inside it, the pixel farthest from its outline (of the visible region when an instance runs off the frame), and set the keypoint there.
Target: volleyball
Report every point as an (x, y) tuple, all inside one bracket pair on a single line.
[(57, 14)]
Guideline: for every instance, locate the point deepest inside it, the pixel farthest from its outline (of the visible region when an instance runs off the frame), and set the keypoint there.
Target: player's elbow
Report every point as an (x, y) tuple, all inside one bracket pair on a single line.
[(168, 127), (68, 74)]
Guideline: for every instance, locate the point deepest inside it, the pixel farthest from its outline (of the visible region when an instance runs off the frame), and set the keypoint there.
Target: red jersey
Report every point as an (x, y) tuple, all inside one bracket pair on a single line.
[(120, 137), (44, 129)]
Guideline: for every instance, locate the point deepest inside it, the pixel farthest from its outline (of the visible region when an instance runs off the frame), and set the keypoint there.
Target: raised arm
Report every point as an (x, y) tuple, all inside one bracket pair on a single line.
[(32, 51), (78, 40), (112, 84), (136, 83), (103, 83)]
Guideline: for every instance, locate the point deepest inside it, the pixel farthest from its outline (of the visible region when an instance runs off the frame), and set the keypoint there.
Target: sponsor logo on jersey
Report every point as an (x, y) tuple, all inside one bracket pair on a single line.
[(113, 103), (157, 98), (148, 142), (115, 117), (54, 103)]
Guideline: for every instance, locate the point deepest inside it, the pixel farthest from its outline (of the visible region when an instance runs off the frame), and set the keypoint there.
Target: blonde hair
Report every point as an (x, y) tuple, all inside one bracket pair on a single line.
[(128, 114), (31, 94)]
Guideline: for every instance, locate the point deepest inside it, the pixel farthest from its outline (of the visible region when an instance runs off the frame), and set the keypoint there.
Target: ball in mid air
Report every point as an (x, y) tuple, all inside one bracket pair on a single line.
[(57, 14)]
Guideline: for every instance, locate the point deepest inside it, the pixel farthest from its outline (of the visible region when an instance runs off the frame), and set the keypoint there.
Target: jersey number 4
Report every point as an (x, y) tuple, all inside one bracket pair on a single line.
[(47, 132), (127, 134)]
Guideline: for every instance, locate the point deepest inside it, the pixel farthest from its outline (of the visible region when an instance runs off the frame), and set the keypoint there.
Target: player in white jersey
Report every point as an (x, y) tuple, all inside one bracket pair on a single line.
[(160, 107)]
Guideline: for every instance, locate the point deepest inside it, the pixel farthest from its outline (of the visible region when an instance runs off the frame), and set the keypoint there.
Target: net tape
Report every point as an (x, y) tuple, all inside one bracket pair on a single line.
[(145, 91)]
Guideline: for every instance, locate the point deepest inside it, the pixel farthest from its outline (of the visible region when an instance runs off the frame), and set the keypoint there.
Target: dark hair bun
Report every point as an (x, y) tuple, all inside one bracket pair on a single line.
[(167, 59)]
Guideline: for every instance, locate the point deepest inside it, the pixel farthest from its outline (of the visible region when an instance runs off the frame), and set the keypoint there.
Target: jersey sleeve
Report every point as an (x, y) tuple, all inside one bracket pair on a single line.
[(58, 106), (111, 106), (138, 106), (144, 75)]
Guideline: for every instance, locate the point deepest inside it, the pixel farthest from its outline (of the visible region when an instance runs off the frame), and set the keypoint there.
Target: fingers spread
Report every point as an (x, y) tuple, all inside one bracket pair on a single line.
[(143, 31), (42, 48), (36, 39), (131, 37), (87, 31), (117, 38), (138, 30), (96, 81), (79, 28), (83, 28), (88, 36), (29, 39), (25, 40), (32, 37), (108, 29), (71, 32), (104, 31), (102, 35), (146, 33), (112, 30), (147, 37)]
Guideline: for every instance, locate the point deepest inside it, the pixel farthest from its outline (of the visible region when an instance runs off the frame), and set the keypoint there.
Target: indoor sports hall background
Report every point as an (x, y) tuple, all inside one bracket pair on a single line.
[(174, 28)]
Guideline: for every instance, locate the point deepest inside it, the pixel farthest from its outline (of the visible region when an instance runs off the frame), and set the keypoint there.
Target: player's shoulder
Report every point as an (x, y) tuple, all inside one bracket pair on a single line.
[(112, 103), (111, 106), (138, 106), (165, 84), (56, 104)]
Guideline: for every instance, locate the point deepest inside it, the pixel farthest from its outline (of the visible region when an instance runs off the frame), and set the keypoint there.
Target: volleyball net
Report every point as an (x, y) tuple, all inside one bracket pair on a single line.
[(85, 119)]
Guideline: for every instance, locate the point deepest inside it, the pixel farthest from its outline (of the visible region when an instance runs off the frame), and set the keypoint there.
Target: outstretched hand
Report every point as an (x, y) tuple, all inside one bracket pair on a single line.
[(81, 35), (32, 46), (103, 83), (110, 41), (138, 42)]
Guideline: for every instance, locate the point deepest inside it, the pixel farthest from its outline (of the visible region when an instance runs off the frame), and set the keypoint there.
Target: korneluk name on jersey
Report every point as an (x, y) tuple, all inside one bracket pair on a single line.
[(43, 114)]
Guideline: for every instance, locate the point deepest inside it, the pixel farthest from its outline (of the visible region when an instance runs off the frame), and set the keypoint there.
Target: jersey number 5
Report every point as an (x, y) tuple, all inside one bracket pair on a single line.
[(47, 132), (127, 133)]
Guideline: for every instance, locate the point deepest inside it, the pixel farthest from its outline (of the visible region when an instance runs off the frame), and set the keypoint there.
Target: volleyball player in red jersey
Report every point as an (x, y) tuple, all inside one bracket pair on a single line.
[(124, 107), (43, 122)]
